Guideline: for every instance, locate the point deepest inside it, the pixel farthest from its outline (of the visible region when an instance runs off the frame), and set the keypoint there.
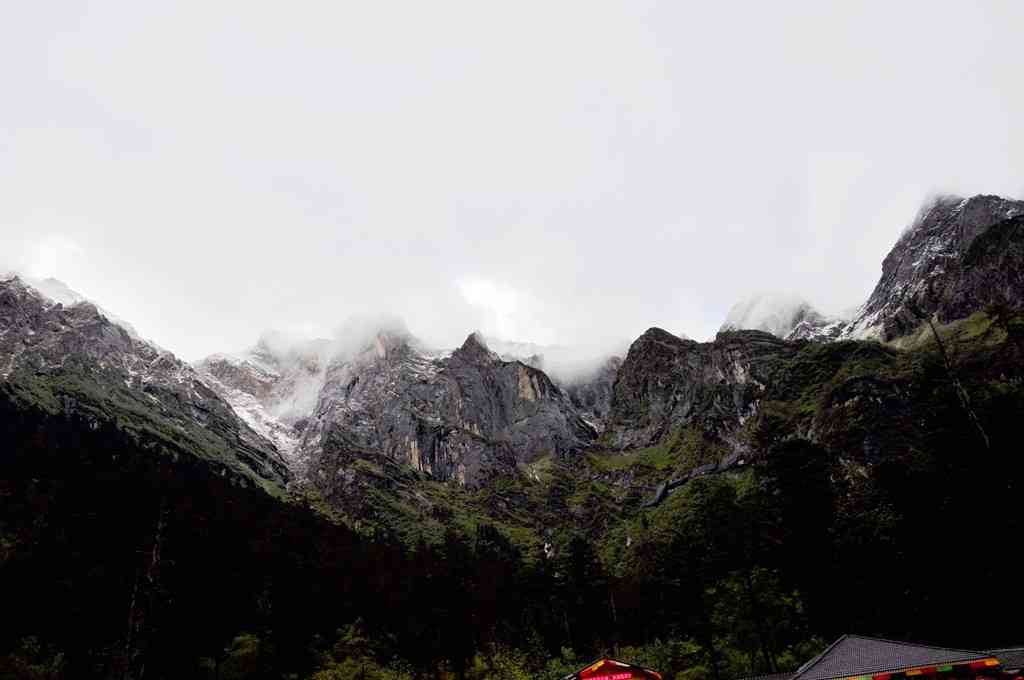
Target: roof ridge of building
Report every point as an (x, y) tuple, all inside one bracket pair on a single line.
[(918, 644), (807, 667), (618, 661), (810, 664)]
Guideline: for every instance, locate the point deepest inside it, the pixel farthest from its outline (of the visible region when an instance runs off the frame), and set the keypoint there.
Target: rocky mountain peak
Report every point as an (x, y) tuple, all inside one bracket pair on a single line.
[(373, 389), (274, 385), (75, 361), (280, 346), (37, 320), (666, 383), (946, 264), (58, 291), (957, 256), (944, 228), (460, 416), (655, 336), (52, 291), (389, 344), (782, 315), (475, 350)]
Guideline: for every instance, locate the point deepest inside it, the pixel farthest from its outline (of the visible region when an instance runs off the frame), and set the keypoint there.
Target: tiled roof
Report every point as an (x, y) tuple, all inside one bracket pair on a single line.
[(1011, 657), (614, 663), (853, 655), (771, 676)]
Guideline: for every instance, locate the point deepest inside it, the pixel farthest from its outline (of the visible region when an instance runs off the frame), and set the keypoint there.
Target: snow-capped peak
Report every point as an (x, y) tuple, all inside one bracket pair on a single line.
[(776, 313), (58, 292)]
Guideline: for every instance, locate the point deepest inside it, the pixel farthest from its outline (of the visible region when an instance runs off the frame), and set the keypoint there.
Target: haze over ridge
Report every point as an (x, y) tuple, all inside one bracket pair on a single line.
[(561, 175)]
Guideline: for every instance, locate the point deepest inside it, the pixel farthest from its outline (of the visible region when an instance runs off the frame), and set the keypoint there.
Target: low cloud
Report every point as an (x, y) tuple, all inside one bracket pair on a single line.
[(430, 167)]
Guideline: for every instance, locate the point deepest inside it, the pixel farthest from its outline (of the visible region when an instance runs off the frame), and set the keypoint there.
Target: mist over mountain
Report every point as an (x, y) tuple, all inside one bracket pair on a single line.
[(774, 313), (491, 405), (483, 341), (496, 477), (557, 197)]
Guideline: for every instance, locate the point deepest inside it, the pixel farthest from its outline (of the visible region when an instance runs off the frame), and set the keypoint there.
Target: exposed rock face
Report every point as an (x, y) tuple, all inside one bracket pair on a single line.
[(74, 359), (460, 416), (667, 382), (591, 392), (585, 376), (470, 413), (274, 386), (817, 327), (957, 257), (747, 391)]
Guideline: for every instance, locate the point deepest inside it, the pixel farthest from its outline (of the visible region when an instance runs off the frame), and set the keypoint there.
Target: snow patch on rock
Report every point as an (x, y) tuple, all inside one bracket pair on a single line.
[(780, 314)]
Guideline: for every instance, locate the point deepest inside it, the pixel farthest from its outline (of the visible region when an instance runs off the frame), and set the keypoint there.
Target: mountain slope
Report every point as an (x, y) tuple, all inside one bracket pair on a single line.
[(74, 361), (957, 257), (708, 494), (950, 263), (945, 265), (666, 383), (274, 386), (460, 416)]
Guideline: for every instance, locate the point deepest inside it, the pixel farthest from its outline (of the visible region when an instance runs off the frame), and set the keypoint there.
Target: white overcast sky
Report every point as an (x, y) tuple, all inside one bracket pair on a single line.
[(558, 171)]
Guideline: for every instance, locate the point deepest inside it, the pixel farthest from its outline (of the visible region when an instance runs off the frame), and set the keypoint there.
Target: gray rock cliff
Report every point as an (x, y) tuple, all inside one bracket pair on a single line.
[(75, 360)]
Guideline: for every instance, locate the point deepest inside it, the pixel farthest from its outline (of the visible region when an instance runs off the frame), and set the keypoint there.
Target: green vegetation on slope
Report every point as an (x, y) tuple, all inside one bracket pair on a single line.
[(871, 505), (151, 417)]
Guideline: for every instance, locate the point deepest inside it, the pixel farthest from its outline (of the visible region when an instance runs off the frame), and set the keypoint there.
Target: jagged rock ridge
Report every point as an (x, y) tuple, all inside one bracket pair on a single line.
[(590, 392), (457, 416), (466, 414), (454, 415), (784, 316), (73, 360), (274, 386), (666, 383), (958, 256)]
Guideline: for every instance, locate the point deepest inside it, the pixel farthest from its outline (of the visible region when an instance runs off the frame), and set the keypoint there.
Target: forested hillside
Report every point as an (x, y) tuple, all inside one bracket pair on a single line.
[(115, 561)]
